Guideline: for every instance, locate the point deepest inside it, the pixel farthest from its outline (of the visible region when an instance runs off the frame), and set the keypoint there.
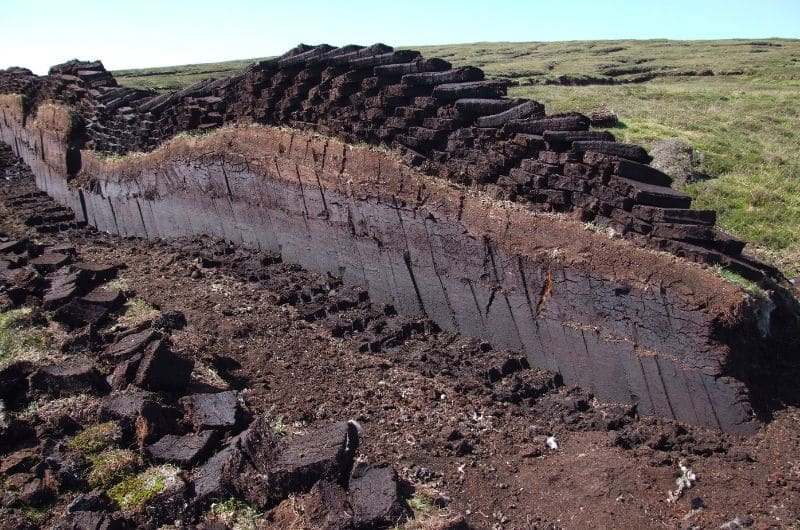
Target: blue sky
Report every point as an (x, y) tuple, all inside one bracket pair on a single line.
[(38, 34)]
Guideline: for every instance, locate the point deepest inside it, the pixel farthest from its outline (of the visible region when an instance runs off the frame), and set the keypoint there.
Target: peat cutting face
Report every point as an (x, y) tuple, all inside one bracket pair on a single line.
[(473, 218)]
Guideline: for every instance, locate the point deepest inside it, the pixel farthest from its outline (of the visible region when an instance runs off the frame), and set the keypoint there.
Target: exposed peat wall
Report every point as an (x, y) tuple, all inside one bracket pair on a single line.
[(626, 322)]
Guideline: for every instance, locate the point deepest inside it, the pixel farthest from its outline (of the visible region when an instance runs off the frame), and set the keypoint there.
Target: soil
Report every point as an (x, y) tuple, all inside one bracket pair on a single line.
[(465, 425)]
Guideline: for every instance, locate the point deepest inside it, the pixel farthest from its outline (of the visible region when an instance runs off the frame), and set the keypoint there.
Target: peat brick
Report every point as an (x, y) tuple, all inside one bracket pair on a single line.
[(650, 195), (67, 379), (131, 344), (413, 67), (458, 75), (264, 470), (14, 246), (64, 286), (125, 372), (375, 498), (50, 262), (160, 369), (183, 451), (642, 173), (326, 506), (154, 421), (124, 405), (523, 110), (215, 478), (470, 108), (683, 232), (628, 151), (654, 214), (631, 222), (560, 182), (563, 139), (326, 453), (110, 298), (612, 197), (90, 520), (213, 411), (399, 56), (78, 313), (540, 168), (572, 122), (472, 89), (728, 244), (97, 272)]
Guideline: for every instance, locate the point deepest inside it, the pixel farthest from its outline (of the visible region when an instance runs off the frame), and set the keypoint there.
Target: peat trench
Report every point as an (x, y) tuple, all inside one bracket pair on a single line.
[(381, 409), (422, 184)]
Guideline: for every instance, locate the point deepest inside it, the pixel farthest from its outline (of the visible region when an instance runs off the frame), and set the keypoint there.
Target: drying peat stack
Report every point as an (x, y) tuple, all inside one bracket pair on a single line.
[(426, 185)]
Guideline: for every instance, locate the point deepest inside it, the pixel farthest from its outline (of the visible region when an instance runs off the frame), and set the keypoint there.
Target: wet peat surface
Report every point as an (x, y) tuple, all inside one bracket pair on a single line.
[(472, 435)]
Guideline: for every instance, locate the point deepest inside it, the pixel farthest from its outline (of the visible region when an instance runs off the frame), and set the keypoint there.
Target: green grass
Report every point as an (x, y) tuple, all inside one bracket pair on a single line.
[(743, 120), (540, 62), (741, 281), (279, 426)]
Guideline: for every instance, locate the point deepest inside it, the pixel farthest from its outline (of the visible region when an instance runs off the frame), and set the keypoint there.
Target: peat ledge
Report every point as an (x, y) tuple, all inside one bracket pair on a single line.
[(472, 213)]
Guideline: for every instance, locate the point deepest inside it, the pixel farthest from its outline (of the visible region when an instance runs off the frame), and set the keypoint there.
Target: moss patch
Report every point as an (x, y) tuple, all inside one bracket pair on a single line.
[(133, 492), (94, 439)]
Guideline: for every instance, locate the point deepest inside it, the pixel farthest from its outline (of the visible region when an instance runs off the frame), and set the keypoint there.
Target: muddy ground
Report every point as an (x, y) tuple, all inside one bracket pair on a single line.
[(470, 430)]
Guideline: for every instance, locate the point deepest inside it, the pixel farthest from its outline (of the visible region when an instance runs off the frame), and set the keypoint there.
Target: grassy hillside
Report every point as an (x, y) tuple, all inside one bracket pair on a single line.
[(736, 101)]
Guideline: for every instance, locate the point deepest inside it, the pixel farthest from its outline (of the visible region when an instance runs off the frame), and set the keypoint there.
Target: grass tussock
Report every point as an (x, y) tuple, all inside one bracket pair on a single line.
[(136, 311), (110, 467), (55, 117), (20, 337), (235, 514), (94, 439)]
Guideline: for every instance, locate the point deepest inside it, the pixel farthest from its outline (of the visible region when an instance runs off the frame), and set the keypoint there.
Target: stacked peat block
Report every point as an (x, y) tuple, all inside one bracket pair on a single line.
[(450, 122)]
